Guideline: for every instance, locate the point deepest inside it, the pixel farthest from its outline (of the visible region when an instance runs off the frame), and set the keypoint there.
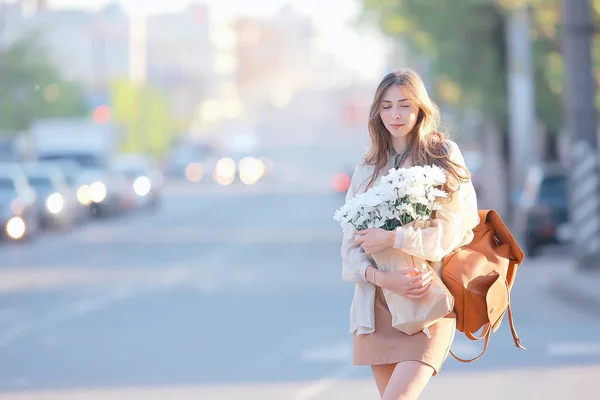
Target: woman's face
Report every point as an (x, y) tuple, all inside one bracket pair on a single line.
[(398, 113)]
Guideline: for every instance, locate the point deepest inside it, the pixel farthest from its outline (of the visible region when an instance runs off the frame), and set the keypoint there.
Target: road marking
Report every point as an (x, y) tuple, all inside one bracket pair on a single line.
[(79, 310), (321, 385), (250, 235), (573, 349), (340, 352)]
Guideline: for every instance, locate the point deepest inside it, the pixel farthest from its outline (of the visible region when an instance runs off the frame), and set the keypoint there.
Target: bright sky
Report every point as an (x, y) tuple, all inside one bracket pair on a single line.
[(360, 50), (334, 11)]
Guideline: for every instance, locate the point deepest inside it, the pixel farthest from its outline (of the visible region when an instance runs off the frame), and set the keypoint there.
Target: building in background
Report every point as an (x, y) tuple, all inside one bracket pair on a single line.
[(89, 47), (275, 57), (181, 57)]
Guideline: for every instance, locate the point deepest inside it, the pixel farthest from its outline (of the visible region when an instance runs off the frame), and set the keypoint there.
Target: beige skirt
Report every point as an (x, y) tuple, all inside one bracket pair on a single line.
[(387, 345)]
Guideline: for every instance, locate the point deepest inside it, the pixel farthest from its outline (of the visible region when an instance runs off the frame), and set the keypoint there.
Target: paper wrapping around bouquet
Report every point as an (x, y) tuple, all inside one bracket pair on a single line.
[(414, 315)]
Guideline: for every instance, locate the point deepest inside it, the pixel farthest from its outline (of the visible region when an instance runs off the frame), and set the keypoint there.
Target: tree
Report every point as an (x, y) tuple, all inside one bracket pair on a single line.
[(33, 87), (144, 114), (466, 42)]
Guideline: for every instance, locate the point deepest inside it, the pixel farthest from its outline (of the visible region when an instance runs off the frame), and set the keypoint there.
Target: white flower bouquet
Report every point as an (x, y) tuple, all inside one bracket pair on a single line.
[(402, 197)]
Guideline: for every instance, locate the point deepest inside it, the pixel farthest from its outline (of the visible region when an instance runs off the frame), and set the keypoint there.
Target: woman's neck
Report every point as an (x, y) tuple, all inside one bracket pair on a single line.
[(400, 144)]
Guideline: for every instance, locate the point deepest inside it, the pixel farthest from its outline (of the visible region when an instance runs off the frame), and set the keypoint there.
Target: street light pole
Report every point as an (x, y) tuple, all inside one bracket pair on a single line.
[(521, 97), (580, 113)]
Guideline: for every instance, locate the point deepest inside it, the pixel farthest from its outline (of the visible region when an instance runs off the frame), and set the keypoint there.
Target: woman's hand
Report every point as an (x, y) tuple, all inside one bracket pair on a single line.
[(374, 240), (411, 282)]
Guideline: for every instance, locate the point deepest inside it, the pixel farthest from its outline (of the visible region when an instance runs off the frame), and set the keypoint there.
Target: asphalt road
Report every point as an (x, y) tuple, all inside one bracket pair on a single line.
[(223, 288)]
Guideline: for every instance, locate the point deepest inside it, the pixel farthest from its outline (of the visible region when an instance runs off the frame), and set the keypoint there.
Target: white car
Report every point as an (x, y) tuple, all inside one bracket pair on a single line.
[(143, 176)]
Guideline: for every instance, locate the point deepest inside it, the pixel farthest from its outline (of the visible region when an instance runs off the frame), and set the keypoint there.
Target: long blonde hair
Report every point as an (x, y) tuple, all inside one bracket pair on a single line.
[(425, 141)]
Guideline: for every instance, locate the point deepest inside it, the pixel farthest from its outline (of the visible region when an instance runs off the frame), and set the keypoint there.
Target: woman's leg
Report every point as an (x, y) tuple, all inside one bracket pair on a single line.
[(408, 381), (382, 374)]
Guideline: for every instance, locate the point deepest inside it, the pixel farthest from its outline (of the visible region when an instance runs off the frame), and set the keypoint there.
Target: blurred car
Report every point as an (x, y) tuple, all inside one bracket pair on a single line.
[(78, 188), (542, 210), (100, 186), (19, 216), (238, 167), (108, 191), (188, 161), (143, 176), (57, 206)]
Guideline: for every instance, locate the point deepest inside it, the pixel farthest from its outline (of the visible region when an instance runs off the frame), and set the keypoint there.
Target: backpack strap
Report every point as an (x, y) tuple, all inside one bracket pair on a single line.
[(486, 329), (486, 333), (485, 345), (512, 325), (513, 330)]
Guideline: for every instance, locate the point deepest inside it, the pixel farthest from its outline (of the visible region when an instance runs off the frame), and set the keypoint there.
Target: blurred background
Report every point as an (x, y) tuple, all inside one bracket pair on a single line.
[(169, 172)]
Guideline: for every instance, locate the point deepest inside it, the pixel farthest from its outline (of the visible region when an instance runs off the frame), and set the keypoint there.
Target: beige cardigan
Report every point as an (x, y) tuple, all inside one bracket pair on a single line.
[(451, 228)]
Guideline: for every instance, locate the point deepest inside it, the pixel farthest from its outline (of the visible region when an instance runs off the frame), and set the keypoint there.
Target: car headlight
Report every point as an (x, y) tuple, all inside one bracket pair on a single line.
[(251, 170), (224, 172), (142, 186), (84, 195), (15, 228), (97, 192), (55, 203)]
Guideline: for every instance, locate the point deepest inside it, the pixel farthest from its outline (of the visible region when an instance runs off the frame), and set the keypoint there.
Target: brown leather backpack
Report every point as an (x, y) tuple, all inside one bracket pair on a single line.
[(480, 276)]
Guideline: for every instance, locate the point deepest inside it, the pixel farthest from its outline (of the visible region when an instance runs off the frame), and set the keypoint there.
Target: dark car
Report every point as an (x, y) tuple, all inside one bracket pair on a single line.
[(542, 211)]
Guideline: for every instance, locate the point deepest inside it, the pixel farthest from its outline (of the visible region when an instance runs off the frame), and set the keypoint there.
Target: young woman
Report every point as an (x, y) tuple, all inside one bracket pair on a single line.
[(403, 126)]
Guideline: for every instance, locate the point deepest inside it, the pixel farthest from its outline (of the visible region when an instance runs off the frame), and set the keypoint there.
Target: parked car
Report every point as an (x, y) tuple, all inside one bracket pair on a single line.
[(542, 210), (57, 205), (78, 188), (19, 217)]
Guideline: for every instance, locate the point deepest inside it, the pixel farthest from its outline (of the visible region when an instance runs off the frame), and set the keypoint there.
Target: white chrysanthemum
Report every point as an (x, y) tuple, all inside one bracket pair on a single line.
[(387, 213), (434, 194), (437, 175), (394, 198)]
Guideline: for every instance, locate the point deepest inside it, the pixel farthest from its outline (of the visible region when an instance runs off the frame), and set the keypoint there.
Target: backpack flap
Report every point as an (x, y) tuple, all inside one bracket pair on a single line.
[(505, 237)]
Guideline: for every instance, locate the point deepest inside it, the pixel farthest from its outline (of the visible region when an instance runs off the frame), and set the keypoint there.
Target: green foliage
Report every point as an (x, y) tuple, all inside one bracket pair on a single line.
[(32, 87), (466, 43)]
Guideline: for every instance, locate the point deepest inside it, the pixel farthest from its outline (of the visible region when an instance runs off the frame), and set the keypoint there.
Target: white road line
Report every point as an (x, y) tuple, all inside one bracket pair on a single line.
[(573, 349), (78, 310), (242, 235), (321, 385), (342, 352), (339, 352)]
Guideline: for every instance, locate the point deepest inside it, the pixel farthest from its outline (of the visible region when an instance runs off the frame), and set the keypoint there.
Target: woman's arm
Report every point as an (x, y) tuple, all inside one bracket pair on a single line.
[(438, 237)]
